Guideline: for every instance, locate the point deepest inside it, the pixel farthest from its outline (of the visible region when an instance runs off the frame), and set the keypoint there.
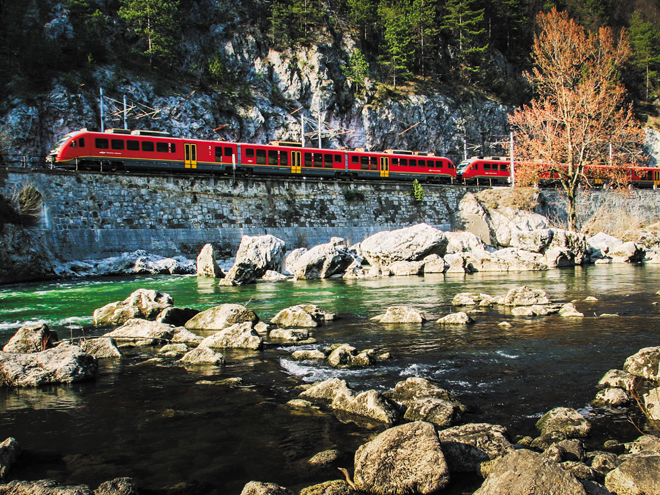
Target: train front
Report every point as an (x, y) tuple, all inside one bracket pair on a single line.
[(462, 170), (67, 150)]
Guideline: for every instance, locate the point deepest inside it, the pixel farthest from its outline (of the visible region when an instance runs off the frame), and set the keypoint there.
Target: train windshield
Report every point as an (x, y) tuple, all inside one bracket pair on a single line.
[(460, 168), (61, 142)]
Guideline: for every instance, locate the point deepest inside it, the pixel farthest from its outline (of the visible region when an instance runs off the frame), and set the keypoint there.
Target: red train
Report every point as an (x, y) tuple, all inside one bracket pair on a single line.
[(151, 150), (490, 171)]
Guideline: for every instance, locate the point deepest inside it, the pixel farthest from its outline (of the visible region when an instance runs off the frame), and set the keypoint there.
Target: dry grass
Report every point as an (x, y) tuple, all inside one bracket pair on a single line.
[(518, 198), (27, 202), (613, 222)]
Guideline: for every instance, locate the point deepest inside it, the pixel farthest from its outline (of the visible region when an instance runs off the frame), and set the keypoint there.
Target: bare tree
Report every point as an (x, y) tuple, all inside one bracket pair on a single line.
[(579, 118)]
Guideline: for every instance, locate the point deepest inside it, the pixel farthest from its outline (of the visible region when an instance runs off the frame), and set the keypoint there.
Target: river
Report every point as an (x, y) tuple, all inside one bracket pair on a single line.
[(179, 430)]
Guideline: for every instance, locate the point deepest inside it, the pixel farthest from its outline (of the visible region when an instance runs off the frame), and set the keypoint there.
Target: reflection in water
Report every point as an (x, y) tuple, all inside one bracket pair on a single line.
[(171, 426)]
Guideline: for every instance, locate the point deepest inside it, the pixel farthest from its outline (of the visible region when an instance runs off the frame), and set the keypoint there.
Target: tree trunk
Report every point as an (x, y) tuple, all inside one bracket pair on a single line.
[(571, 197)]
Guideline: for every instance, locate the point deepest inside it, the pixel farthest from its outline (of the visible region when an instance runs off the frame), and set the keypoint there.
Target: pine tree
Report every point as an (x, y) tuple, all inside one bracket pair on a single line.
[(645, 44), (507, 31), (466, 26), (363, 14), (155, 23), (399, 49), (357, 69), (422, 19)]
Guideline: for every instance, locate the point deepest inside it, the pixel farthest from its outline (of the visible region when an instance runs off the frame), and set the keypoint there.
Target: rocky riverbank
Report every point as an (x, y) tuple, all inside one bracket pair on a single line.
[(426, 443)]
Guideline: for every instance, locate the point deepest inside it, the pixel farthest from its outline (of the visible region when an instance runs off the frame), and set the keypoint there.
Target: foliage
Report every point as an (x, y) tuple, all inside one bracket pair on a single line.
[(155, 23), (295, 21), (578, 118), (645, 43), (418, 191), (353, 195), (357, 70), (399, 49), (466, 25)]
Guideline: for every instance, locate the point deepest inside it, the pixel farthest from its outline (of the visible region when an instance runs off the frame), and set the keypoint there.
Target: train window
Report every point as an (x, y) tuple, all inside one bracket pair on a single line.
[(395, 161), (218, 153), (117, 144), (261, 156), (147, 146), (308, 159), (272, 157), (504, 167), (81, 142), (173, 147), (161, 147), (475, 166), (439, 164), (413, 162), (101, 143), (374, 163), (364, 162), (318, 160), (249, 153), (133, 145), (355, 159), (284, 158), (421, 163), (486, 166), (404, 162), (327, 161), (337, 158), (228, 151)]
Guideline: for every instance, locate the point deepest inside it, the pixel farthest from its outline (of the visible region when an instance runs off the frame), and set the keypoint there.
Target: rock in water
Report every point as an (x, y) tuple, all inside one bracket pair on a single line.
[(31, 338), (523, 472), (220, 317), (564, 420), (143, 303), (636, 476), (239, 336), (466, 447), (403, 459), (259, 488), (255, 256), (401, 314), (407, 244), (9, 451), (322, 261), (207, 265), (62, 364)]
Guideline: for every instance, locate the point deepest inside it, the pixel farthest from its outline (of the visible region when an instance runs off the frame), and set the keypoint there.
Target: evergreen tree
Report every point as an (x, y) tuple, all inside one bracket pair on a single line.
[(466, 26), (357, 70), (422, 20), (90, 29), (363, 15), (155, 22), (508, 27), (645, 44), (399, 49)]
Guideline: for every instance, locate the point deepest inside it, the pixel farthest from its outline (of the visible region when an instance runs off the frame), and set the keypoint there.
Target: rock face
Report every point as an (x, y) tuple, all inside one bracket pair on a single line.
[(143, 303), (23, 257), (523, 472), (407, 244), (403, 459), (62, 364), (31, 338), (207, 266), (323, 261), (255, 256), (220, 317)]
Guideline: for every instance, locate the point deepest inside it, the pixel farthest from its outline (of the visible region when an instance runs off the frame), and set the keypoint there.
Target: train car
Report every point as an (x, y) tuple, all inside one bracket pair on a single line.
[(151, 150), (484, 171)]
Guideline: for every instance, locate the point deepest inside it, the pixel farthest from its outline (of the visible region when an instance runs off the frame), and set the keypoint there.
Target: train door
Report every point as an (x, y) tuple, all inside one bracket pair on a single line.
[(296, 167), (190, 155), (384, 166), (656, 179)]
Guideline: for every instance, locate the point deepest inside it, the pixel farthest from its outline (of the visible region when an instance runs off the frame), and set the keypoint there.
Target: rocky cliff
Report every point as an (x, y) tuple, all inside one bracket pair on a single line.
[(257, 102)]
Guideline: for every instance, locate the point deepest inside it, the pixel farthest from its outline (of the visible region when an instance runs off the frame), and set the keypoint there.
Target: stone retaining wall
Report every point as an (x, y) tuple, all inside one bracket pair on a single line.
[(94, 215)]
